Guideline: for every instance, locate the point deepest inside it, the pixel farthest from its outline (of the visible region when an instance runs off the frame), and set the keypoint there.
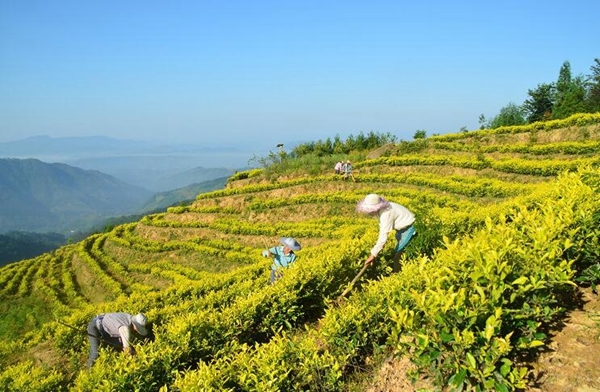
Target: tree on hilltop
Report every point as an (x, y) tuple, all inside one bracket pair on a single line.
[(567, 96), (420, 134), (511, 114), (538, 107), (593, 97), (570, 93)]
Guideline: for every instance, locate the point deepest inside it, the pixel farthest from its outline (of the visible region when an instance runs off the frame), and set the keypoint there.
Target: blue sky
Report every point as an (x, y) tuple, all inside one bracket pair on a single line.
[(230, 72)]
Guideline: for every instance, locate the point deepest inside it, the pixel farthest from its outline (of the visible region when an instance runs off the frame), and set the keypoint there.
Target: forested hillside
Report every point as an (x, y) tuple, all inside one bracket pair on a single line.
[(54, 197), (18, 245), (507, 228)]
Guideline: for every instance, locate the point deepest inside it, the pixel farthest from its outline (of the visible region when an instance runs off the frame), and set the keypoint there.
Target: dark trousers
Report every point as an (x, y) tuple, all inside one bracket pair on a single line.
[(96, 337), (275, 275)]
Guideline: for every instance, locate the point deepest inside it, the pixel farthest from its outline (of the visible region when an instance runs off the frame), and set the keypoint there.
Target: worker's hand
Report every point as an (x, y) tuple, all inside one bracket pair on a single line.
[(128, 350), (266, 253), (369, 260)]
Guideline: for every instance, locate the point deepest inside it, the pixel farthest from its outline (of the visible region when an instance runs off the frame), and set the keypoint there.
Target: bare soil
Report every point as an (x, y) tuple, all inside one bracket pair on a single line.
[(571, 362)]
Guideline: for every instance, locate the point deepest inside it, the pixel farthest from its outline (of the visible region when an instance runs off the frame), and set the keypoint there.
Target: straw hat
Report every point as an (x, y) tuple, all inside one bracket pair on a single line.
[(290, 243), (371, 203)]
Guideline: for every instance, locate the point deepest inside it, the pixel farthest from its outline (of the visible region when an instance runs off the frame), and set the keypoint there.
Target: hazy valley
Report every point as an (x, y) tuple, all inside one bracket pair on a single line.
[(70, 187)]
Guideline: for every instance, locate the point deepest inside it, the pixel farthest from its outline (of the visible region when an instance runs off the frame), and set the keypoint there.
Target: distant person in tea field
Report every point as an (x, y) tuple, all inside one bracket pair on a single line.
[(392, 216), (283, 256), (116, 330), (347, 170), (338, 167)]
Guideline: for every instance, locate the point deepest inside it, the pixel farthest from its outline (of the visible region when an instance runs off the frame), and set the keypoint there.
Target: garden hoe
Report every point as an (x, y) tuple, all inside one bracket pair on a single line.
[(362, 271)]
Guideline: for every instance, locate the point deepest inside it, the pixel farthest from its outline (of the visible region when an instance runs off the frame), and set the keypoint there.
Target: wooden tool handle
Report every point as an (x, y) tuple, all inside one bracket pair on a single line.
[(362, 271)]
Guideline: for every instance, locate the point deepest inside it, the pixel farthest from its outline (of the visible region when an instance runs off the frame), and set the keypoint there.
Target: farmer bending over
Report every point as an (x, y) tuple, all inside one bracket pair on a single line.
[(283, 256), (392, 216), (116, 330)]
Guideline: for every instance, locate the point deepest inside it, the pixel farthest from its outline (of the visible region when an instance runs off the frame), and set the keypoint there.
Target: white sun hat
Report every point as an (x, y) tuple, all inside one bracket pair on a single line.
[(139, 321), (371, 203), (290, 243)]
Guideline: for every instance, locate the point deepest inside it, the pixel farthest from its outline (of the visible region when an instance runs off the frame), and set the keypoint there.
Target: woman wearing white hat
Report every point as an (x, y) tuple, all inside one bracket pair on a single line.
[(392, 216), (283, 256)]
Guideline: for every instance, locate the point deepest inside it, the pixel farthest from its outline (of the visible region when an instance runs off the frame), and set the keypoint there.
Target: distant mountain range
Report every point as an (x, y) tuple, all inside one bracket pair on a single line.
[(44, 205), (55, 197), (156, 167), (87, 146), (95, 182), (71, 146), (156, 173)]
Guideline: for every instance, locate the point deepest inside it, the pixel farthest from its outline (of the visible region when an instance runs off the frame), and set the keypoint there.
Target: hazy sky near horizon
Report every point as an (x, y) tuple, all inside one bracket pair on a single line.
[(230, 72)]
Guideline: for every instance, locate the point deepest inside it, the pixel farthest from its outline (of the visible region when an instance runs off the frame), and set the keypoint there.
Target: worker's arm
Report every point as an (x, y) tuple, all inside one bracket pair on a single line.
[(269, 252), (125, 334), (386, 224)]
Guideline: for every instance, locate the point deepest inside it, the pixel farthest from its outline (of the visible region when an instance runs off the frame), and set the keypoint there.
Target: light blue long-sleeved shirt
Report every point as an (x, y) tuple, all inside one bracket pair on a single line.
[(281, 260)]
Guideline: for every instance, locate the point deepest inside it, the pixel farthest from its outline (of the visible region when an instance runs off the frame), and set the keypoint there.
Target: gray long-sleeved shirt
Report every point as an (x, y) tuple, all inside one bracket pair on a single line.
[(118, 325)]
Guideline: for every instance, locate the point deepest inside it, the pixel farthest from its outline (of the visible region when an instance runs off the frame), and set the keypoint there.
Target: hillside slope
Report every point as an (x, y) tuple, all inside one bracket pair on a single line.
[(162, 200), (54, 197), (506, 220)]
